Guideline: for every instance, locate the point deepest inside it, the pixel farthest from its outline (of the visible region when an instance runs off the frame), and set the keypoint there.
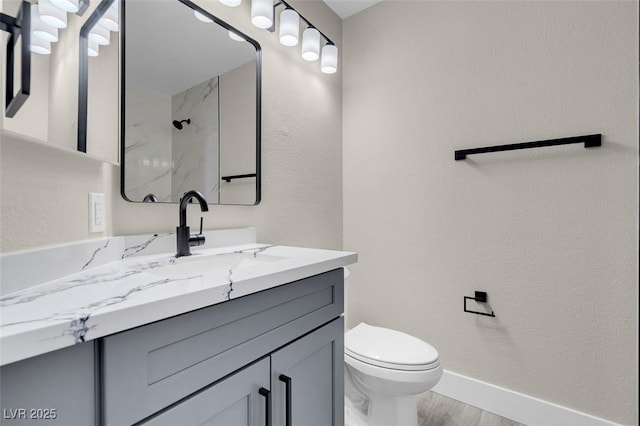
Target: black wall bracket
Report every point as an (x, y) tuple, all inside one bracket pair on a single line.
[(590, 141), (480, 297), (18, 27)]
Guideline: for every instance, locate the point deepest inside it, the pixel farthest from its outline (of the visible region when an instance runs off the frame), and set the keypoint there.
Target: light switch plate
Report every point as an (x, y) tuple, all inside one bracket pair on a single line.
[(97, 212)]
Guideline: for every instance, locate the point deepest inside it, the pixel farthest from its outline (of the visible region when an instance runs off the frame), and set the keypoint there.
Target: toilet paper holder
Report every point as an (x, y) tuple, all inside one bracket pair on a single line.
[(480, 297)]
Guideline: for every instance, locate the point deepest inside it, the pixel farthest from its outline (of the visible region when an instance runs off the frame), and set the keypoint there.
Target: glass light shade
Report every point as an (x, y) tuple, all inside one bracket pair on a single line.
[(51, 15), (40, 46), (234, 36), (110, 19), (200, 17), (70, 6), (231, 3), (100, 35), (289, 27), (329, 61), (40, 29), (310, 44), (262, 13), (93, 48)]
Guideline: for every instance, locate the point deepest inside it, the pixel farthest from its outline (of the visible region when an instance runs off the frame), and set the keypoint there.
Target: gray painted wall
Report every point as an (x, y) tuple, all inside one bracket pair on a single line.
[(551, 234)]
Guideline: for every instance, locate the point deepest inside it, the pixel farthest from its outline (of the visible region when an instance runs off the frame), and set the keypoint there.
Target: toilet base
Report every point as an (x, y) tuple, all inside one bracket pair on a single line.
[(384, 411), (390, 411)]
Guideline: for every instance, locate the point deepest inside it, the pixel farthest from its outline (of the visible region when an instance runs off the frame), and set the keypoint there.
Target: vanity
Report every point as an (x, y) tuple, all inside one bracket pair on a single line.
[(120, 331), (239, 334)]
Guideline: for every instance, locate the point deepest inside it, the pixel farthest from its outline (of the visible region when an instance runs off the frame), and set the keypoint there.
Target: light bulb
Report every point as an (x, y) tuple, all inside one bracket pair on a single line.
[(110, 19), (310, 44), (40, 29), (100, 35), (231, 3), (234, 36), (329, 61), (93, 48), (289, 27), (202, 18), (70, 6), (262, 13), (40, 46), (51, 15)]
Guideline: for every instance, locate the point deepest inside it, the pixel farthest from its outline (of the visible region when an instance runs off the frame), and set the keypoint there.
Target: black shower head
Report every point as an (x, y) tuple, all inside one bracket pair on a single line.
[(178, 124)]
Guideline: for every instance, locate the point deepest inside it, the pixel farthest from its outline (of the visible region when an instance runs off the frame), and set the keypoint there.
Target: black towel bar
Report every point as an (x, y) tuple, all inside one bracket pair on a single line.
[(230, 178), (589, 141)]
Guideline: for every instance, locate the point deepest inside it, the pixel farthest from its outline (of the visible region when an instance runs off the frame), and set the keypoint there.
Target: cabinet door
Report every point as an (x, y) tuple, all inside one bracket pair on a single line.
[(56, 388), (233, 401), (307, 378)]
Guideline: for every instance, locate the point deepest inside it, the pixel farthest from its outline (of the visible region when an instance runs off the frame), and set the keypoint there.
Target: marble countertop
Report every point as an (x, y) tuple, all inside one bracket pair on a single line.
[(131, 292)]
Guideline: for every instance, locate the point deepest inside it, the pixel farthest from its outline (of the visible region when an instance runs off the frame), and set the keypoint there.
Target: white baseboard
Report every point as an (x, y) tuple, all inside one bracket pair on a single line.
[(512, 405)]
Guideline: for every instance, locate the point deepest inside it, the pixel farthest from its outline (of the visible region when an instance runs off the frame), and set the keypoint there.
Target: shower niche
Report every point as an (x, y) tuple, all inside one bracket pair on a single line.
[(190, 105)]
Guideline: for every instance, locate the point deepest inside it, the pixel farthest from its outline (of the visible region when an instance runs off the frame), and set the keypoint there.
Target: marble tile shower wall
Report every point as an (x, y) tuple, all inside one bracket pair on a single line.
[(195, 148), (148, 152)]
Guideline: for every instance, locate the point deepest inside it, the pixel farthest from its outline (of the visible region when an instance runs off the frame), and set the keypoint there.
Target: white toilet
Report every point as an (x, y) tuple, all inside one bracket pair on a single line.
[(384, 371)]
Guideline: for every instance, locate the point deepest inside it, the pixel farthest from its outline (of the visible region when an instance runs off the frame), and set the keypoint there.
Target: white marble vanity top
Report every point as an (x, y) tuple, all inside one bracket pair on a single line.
[(136, 290)]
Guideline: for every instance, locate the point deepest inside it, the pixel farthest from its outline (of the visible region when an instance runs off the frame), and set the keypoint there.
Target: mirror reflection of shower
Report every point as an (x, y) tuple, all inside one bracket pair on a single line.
[(178, 124)]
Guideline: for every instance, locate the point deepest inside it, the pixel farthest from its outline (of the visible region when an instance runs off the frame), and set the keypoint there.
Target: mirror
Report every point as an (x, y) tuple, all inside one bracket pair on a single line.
[(190, 105), (49, 115), (98, 81)]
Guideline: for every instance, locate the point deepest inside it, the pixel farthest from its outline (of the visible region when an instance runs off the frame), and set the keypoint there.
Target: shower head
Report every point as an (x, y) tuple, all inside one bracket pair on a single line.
[(178, 124)]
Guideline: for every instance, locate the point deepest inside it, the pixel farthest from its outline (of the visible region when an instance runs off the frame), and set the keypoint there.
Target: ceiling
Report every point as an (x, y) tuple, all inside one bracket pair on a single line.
[(346, 8)]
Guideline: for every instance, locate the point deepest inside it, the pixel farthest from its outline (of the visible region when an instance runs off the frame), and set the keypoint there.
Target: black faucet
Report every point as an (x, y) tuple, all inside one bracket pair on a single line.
[(150, 198), (184, 239)]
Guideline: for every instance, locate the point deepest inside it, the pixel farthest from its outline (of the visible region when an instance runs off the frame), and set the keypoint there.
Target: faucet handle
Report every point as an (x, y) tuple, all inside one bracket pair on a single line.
[(196, 240)]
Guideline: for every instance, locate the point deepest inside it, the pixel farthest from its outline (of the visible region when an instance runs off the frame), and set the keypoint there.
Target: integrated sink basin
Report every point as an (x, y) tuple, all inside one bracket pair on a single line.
[(213, 264)]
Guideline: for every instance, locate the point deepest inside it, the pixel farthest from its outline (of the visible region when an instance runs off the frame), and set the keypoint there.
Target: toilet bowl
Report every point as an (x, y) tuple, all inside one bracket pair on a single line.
[(384, 372)]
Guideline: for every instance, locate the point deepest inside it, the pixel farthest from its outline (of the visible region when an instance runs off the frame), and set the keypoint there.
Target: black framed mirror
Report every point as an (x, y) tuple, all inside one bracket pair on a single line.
[(98, 81), (190, 104)]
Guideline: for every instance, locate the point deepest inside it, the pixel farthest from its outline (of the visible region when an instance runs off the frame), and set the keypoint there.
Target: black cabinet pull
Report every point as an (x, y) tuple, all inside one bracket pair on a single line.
[(267, 407), (287, 410)]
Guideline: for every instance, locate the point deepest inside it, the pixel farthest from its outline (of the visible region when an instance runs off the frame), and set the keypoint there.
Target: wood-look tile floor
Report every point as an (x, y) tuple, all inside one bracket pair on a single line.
[(437, 410)]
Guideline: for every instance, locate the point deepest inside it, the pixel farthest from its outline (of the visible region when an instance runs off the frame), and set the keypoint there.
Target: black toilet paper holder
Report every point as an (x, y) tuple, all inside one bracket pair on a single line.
[(480, 297)]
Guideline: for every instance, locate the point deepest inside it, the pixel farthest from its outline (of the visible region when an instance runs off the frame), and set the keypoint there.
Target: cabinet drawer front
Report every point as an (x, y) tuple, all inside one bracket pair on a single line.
[(233, 400), (151, 367)]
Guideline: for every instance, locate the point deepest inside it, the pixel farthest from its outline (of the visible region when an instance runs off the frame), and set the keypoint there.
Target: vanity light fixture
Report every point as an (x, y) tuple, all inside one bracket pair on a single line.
[(52, 15), (70, 6), (231, 3), (202, 18), (234, 36), (310, 44), (100, 35), (289, 27), (262, 13), (329, 61), (40, 46), (110, 18), (40, 29), (93, 48)]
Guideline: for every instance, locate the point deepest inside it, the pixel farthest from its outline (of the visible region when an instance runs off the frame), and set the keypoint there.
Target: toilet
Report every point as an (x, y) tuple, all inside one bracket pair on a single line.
[(384, 372)]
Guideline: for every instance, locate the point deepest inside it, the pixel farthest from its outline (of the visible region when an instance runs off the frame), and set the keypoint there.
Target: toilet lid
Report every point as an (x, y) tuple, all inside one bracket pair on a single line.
[(389, 348)]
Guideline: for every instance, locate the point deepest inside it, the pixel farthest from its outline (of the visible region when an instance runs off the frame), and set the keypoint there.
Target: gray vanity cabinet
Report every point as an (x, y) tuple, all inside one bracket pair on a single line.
[(313, 367), (57, 388), (150, 371), (202, 367), (235, 401), (311, 370)]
